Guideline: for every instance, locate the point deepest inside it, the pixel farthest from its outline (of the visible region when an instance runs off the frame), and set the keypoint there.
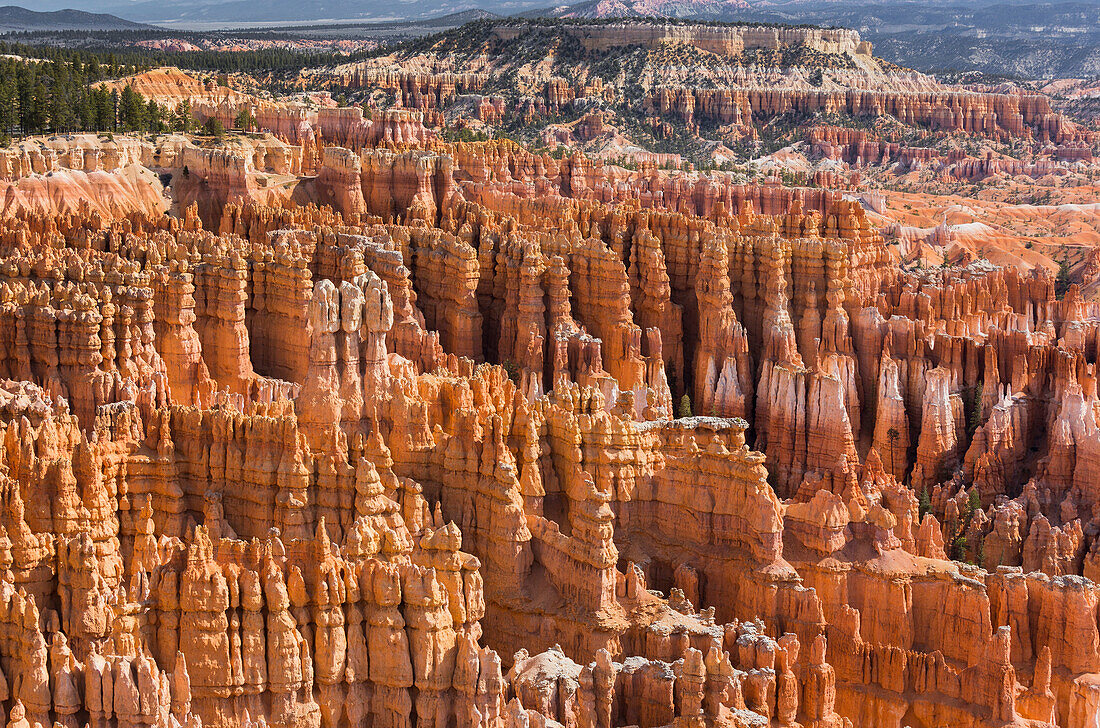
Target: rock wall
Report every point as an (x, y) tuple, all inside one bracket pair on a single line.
[(998, 116), (859, 149)]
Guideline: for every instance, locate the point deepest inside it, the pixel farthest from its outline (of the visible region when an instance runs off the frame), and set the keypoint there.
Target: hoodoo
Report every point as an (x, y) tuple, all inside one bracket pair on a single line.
[(356, 416)]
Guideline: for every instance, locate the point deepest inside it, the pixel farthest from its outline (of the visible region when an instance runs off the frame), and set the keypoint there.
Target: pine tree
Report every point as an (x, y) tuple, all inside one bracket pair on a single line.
[(685, 406), (131, 110), (104, 108), (958, 547), (244, 120), (112, 122), (974, 421), (154, 117), (1062, 281), (213, 127), (8, 108), (183, 121), (892, 436), (35, 114)]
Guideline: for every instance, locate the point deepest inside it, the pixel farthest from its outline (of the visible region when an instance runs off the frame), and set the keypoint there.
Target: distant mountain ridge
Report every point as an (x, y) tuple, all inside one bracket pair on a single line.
[(14, 19), (228, 12)]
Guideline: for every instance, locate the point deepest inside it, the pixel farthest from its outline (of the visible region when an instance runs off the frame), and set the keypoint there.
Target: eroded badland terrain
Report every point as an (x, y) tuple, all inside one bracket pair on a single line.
[(585, 373)]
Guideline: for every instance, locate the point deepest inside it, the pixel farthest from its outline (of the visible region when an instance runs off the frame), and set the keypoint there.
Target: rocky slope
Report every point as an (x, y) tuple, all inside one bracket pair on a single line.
[(677, 88)]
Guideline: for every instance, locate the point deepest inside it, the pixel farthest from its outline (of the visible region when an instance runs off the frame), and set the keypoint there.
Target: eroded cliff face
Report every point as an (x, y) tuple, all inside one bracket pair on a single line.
[(713, 83), (721, 40), (399, 446), (993, 115)]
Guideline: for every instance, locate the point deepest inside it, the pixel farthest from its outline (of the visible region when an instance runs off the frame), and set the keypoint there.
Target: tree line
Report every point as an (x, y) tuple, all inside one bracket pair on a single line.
[(61, 96), (285, 59)]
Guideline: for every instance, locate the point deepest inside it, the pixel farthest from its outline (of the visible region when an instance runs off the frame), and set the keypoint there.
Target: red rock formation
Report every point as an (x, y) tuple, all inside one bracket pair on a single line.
[(999, 116), (339, 185), (325, 468)]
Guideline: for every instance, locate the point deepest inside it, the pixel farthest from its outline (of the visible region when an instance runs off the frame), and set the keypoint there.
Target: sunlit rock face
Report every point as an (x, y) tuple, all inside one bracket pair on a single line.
[(339, 424)]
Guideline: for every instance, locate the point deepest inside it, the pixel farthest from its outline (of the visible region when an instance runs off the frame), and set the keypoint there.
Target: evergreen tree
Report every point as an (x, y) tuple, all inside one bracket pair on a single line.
[(104, 109), (33, 105), (113, 121), (183, 120), (213, 127), (1062, 281), (892, 436), (8, 105), (958, 547), (924, 503), (131, 110), (154, 117), (974, 421), (685, 406), (244, 120)]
